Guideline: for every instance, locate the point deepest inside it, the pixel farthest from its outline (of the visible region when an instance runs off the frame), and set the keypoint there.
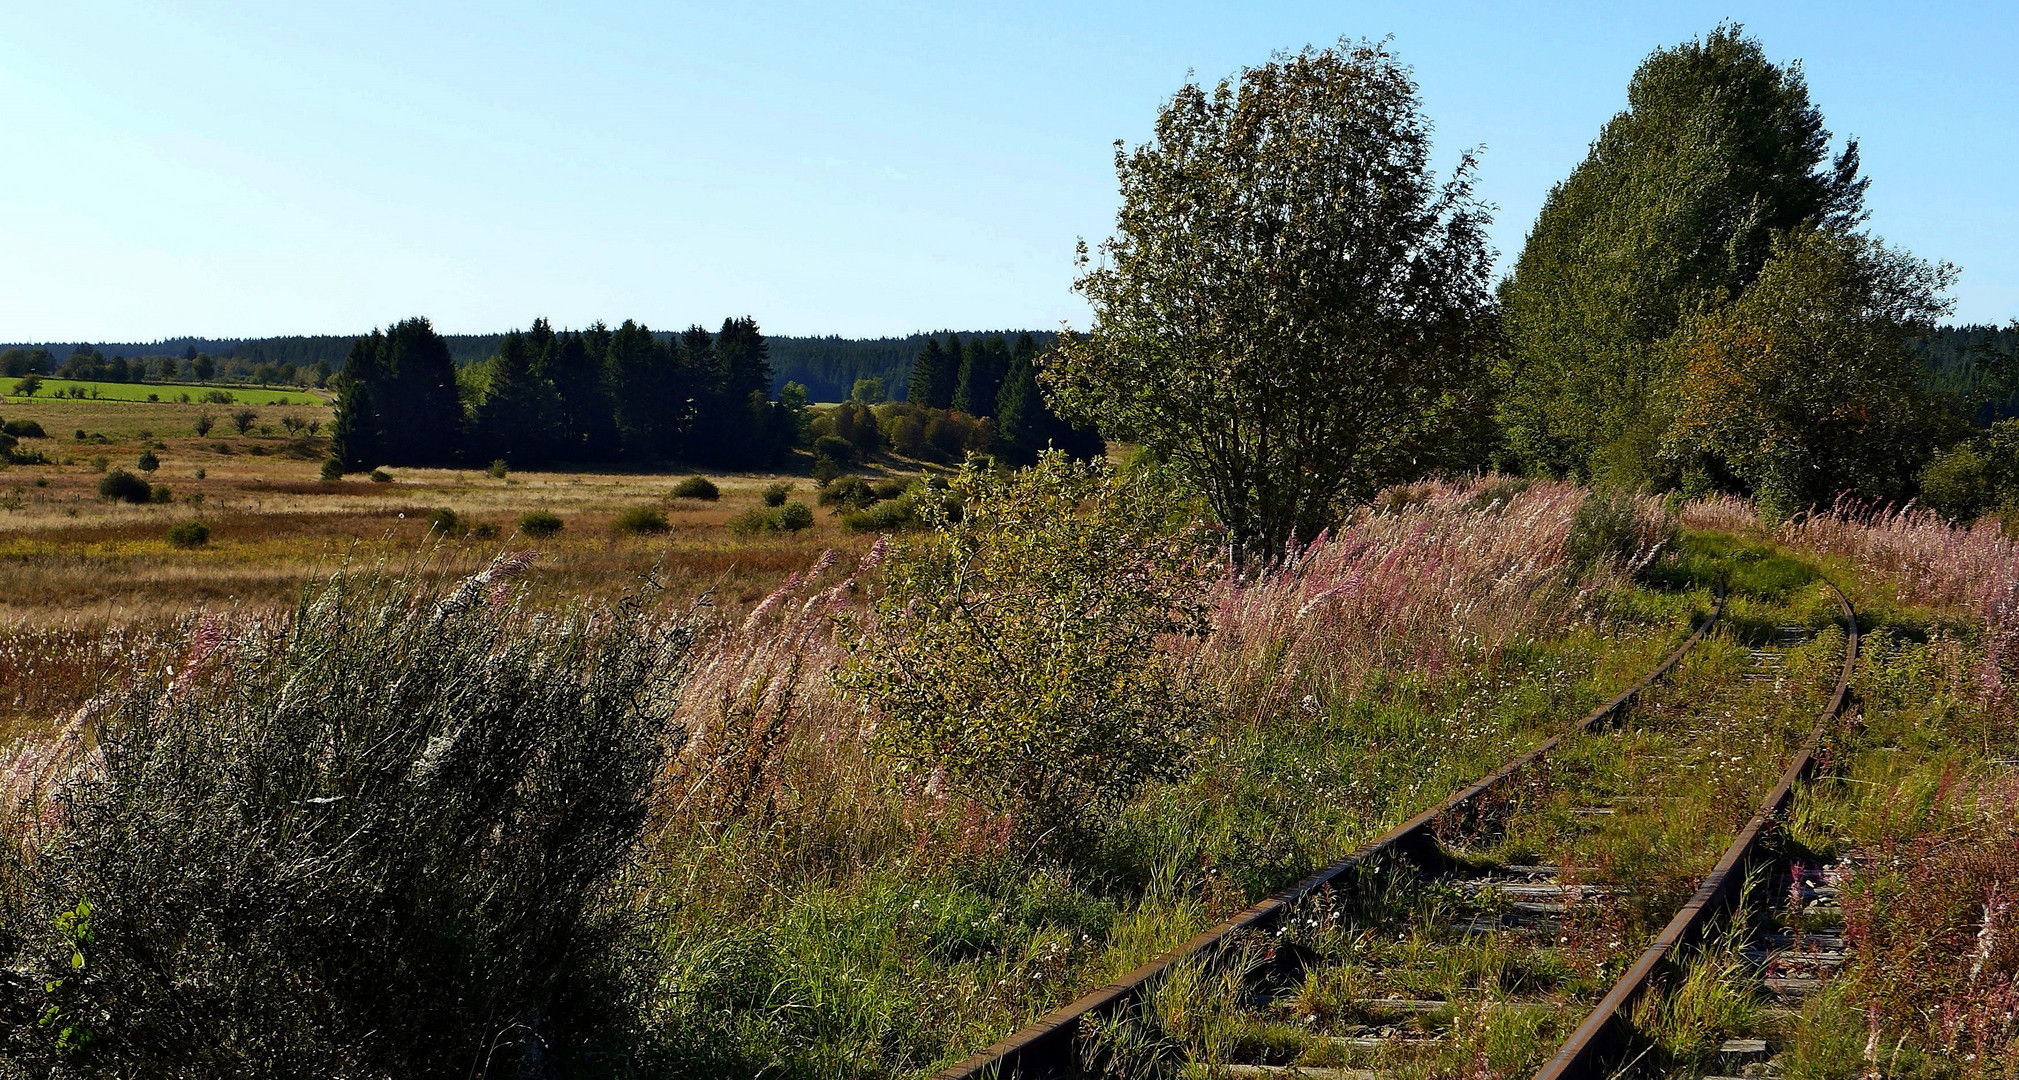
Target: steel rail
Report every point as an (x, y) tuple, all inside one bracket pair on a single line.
[(1584, 1055), (1047, 1047)]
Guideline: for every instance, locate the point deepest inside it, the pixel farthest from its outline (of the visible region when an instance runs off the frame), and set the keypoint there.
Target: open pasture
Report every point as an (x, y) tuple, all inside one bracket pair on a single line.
[(70, 555), (151, 393)]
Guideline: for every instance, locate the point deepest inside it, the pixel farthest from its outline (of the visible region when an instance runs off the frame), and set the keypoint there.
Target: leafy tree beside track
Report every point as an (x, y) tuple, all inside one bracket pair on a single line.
[(1291, 306)]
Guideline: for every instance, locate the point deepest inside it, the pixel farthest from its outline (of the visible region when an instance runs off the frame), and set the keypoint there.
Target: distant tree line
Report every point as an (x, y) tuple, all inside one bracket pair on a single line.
[(828, 367), (90, 364), (595, 395), (987, 377)]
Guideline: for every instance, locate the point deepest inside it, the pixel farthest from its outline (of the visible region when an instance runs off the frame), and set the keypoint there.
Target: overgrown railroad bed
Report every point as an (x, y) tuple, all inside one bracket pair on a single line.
[(1485, 952)]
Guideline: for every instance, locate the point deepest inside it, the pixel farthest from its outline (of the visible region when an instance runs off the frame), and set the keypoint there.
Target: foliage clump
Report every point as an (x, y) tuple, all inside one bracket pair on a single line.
[(1804, 386), (122, 486), (381, 841), (1015, 654), (697, 487), (787, 516), (1292, 307), (189, 534), (641, 520), (540, 524)]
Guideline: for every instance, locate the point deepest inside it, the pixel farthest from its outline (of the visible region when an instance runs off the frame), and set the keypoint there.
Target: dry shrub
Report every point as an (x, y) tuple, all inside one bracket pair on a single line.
[(381, 836)]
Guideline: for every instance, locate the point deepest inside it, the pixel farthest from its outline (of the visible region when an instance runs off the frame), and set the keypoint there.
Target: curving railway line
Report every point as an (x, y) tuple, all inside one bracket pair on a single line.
[(1357, 1021)]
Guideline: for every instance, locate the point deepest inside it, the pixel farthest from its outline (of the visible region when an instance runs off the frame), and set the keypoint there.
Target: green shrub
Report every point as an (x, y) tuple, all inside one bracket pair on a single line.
[(148, 462), (498, 469), (1014, 654), (1957, 485), (853, 493), (204, 422), (788, 517), (890, 487), (122, 486), (160, 493), (825, 471), (697, 487), (443, 521), (834, 447), (895, 515), (25, 429), (775, 494), (540, 524), (332, 470), (189, 534), (641, 520), (1607, 530), (794, 516), (380, 476), (383, 839), (243, 420)]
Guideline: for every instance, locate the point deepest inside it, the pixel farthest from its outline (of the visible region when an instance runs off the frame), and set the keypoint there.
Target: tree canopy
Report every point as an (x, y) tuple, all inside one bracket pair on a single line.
[(1290, 295), (1679, 201)]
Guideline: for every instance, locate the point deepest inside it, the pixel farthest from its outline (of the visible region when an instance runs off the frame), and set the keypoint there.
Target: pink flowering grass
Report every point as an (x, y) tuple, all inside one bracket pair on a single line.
[(1931, 562), (1454, 571)]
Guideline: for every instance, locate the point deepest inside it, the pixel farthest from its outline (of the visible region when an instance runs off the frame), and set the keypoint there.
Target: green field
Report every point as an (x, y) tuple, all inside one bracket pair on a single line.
[(132, 391)]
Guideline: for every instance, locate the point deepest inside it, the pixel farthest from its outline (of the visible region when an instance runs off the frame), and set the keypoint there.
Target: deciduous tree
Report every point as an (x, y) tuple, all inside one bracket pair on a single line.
[(1289, 293), (1678, 201)]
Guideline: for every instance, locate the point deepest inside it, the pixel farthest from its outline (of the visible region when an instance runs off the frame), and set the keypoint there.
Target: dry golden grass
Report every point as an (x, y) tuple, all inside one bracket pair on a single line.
[(69, 558)]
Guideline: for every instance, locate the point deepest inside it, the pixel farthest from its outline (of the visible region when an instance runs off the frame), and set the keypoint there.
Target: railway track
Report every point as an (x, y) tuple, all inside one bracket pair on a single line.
[(1432, 893)]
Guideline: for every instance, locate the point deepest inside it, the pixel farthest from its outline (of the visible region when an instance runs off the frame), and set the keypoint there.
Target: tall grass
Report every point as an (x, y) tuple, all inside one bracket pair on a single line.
[(381, 836), (1448, 569)]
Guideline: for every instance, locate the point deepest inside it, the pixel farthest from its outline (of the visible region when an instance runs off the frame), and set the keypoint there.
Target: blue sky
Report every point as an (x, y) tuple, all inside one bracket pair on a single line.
[(221, 169)]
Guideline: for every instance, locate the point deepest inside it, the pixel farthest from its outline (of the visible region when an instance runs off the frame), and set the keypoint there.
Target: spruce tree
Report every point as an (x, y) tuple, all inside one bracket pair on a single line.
[(420, 411), (646, 377), (356, 432), (516, 419), (947, 378), (925, 373), (1021, 421), (981, 376), (588, 425)]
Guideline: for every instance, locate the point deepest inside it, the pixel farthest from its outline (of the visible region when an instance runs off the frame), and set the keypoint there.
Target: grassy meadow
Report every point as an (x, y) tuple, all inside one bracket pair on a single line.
[(72, 555), (153, 393)]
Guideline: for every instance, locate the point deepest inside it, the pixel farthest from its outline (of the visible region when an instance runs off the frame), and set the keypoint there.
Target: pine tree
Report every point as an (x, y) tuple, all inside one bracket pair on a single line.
[(925, 373), (981, 376), (516, 419), (356, 433)]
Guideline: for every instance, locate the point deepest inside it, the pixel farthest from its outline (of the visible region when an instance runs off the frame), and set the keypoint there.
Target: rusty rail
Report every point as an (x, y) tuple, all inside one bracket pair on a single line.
[(1046, 1048), (1583, 1056)]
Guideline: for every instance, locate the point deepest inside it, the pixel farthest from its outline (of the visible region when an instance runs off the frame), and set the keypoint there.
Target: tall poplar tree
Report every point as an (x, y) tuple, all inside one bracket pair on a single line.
[(1677, 204)]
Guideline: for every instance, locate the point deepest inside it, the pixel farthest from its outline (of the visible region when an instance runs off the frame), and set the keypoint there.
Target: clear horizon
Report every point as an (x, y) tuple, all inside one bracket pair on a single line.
[(231, 171)]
